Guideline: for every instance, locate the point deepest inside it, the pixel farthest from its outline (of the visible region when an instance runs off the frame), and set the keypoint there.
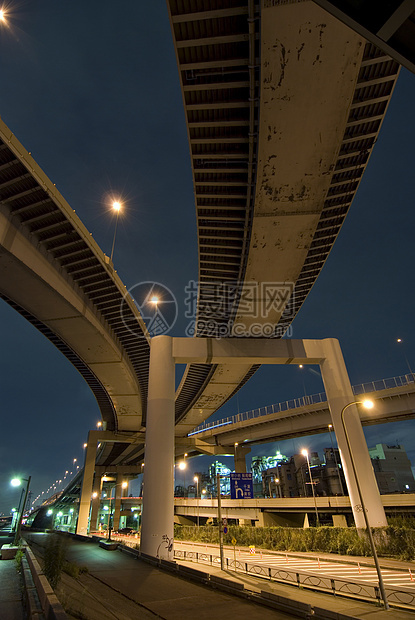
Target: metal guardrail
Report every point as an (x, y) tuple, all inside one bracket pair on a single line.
[(303, 401), (354, 589)]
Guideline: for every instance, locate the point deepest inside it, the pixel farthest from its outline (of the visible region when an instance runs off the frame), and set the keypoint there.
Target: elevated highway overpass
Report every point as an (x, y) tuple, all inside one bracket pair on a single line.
[(394, 401), (275, 164), (283, 107), (282, 510)]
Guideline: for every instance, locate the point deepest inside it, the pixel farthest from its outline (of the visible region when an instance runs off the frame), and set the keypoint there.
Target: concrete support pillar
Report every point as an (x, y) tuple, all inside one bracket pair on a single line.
[(95, 503), (157, 529), (86, 492), (240, 461), (339, 521), (339, 394), (267, 519)]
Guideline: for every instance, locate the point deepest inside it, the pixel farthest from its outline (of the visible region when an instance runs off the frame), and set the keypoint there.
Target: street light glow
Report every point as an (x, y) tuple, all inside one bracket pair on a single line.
[(304, 452), (154, 300), (15, 482), (116, 206), (182, 465), (368, 404)]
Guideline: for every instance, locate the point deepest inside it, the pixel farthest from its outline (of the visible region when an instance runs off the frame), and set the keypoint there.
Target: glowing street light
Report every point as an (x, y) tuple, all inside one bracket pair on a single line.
[(368, 404), (117, 207), (2, 15), (182, 467), (400, 341), (15, 483), (335, 460), (196, 479), (305, 453), (124, 485)]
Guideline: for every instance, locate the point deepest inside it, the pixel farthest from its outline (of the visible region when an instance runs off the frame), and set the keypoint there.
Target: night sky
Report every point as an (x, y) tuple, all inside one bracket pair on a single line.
[(92, 90)]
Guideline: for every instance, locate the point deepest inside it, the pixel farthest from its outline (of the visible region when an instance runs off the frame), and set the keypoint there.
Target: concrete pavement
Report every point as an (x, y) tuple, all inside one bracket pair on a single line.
[(11, 601), (122, 587)]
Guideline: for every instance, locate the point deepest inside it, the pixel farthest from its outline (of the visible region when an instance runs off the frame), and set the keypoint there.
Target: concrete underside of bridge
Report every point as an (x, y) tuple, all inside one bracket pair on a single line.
[(52, 300), (309, 68)]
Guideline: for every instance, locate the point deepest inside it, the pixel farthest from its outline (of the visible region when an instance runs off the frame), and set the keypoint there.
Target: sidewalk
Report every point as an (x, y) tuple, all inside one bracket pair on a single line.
[(123, 587), (11, 602)]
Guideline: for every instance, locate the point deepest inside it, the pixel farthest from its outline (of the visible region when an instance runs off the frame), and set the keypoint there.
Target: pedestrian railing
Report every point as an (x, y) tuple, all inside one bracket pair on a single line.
[(303, 401), (361, 590)]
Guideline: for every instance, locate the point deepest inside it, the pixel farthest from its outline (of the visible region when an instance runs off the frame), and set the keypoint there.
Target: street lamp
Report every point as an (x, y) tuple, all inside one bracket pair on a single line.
[(277, 486), (305, 453), (17, 482), (124, 485), (335, 460), (399, 340), (368, 404), (196, 479), (182, 467), (117, 207)]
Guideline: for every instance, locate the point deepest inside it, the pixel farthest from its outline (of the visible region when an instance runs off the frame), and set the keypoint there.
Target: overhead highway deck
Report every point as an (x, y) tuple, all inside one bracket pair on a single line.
[(283, 107)]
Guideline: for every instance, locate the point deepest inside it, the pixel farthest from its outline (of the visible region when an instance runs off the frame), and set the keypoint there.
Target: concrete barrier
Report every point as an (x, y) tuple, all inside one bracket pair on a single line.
[(228, 585), (50, 605), (192, 573), (290, 606)]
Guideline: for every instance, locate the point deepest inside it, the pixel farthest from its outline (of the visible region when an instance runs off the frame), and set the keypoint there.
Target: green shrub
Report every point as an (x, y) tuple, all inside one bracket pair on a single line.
[(18, 559), (392, 541), (73, 570), (54, 558)]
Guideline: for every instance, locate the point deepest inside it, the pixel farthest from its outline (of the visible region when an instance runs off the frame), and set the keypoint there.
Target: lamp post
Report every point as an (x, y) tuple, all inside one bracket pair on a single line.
[(124, 486), (368, 404), (117, 207), (196, 479), (400, 341), (182, 467), (278, 487), (335, 460), (305, 453), (17, 482)]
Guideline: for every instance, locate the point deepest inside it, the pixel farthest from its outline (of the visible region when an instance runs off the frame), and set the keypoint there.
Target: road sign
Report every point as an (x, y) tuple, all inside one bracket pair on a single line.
[(233, 541), (242, 486), (224, 521), (225, 530)]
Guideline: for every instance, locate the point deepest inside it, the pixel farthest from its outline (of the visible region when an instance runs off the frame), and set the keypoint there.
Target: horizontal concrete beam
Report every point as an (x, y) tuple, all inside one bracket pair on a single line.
[(249, 351)]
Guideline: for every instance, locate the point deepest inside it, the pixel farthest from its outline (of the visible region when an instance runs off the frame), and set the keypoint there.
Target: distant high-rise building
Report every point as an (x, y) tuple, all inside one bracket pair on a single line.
[(392, 469)]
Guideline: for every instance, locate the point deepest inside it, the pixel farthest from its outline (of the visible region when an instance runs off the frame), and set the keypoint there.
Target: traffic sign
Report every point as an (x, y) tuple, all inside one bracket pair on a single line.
[(233, 541), (225, 530), (242, 486)]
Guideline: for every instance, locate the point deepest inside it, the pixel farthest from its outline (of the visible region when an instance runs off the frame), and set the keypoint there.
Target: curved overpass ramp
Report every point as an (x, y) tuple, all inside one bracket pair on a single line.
[(55, 275), (283, 106)]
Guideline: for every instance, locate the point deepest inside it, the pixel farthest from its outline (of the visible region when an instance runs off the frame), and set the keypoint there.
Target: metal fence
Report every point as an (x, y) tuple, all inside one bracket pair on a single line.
[(355, 589), (303, 401)]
